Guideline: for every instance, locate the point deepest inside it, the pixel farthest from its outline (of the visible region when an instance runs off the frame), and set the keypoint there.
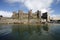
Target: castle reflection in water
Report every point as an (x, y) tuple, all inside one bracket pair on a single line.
[(31, 32)]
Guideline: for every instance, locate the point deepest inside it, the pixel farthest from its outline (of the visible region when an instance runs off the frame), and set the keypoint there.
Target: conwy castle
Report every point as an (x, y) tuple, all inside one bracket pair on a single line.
[(25, 18)]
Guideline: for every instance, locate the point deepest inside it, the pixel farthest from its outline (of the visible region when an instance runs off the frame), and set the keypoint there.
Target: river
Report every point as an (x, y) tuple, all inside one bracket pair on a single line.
[(29, 32)]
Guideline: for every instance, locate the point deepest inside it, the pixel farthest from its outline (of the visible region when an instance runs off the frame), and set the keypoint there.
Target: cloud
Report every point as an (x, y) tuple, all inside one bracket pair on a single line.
[(34, 4), (12, 1), (6, 13), (42, 5), (55, 17), (58, 1), (38, 4)]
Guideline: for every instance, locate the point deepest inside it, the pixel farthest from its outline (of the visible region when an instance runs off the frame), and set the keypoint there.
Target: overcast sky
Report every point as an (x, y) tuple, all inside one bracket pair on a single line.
[(8, 6)]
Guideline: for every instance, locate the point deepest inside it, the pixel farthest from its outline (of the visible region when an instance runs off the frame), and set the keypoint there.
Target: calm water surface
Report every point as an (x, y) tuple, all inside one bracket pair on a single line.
[(30, 32)]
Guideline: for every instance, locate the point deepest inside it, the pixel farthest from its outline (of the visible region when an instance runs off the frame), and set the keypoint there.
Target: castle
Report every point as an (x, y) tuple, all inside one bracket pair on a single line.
[(37, 15), (22, 15)]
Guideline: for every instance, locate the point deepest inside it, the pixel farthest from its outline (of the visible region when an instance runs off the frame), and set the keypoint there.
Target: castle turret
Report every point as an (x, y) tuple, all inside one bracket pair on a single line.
[(29, 15), (20, 14), (14, 15), (46, 16), (39, 15)]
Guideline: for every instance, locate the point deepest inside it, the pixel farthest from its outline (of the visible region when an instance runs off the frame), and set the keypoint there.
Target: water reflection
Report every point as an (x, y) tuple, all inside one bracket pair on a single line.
[(5, 31), (30, 32), (55, 31), (45, 27)]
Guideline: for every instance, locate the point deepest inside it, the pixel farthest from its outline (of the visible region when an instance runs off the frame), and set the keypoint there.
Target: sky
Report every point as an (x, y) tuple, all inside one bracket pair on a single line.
[(51, 6)]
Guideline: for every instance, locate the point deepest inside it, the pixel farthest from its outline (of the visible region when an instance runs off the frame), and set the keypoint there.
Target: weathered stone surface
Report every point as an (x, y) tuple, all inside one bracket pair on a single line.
[(38, 14), (14, 16), (30, 14), (20, 14)]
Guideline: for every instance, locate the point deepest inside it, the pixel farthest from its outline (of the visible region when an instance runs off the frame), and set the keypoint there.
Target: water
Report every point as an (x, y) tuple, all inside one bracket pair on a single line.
[(29, 32)]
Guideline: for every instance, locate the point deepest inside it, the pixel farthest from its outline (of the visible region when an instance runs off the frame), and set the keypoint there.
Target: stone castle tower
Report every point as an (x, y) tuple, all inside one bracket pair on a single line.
[(29, 15), (14, 15), (48, 17), (39, 15), (20, 14)]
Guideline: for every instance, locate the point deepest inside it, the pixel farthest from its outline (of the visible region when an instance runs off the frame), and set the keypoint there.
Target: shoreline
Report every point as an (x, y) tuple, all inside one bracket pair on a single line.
[(24, 21)]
